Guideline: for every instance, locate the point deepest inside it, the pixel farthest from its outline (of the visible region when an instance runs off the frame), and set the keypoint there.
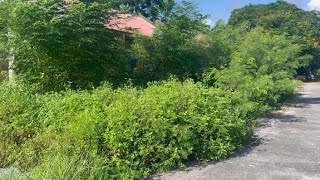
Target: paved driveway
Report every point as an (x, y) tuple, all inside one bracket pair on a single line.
[(288, 147)]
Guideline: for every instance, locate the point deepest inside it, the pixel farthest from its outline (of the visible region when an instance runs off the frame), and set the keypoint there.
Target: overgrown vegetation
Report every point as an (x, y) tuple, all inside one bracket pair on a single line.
[(130, 132), (77, 110)]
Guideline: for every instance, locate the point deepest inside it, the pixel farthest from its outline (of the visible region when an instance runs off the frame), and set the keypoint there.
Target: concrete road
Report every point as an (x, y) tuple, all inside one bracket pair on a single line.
[(288, 147)]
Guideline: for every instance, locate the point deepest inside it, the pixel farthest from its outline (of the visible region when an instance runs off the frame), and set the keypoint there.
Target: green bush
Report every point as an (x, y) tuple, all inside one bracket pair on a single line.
[(18, 121), (261, 68), (132, 131)]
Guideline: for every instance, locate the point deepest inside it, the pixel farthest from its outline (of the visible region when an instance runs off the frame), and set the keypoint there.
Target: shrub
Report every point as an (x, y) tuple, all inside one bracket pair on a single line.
[(261, 68), (128, 132)]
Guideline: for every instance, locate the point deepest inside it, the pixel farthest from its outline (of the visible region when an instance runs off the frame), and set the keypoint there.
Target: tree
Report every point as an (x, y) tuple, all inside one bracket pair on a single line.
[(177, 47), (265, 63), (282, 17), (221, 42), (151, 9), (61, 43)]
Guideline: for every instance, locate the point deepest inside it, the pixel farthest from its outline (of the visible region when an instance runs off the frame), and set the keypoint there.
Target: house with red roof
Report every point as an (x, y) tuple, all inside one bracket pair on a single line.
[(127, 23), (123, 23)]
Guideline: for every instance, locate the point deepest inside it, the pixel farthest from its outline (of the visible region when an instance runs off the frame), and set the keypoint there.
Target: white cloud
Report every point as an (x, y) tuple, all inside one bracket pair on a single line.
[(314, 5), (208, 22)]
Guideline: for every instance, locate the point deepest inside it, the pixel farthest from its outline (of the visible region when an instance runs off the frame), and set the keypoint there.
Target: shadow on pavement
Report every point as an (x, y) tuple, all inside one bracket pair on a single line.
[(279, 116)]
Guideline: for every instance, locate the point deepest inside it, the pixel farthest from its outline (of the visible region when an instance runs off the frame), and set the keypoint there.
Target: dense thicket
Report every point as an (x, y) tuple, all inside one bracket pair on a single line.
[(126, 133), (67, 45), (58, 44), (203, 88)]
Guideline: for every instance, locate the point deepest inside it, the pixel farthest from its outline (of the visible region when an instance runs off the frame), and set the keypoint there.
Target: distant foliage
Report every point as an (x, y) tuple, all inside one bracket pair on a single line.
[(282, 17)]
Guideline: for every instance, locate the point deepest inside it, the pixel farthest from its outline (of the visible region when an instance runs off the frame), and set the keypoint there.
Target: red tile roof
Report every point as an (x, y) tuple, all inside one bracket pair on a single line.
[(131, 24)]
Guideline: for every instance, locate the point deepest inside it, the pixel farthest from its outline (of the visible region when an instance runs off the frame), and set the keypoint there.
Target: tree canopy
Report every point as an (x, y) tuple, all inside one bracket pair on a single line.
[(282, 17), (151, 9)]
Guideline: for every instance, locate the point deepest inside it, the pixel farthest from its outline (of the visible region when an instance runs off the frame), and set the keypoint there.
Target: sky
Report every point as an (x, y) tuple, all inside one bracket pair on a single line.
[(221, 9)]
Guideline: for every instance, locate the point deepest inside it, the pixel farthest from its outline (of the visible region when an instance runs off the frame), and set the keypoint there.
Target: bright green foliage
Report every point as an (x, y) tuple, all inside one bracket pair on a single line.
[(69, 167), (264, 65), (134, 131), (129, 133), (16, 121), (282, 17)]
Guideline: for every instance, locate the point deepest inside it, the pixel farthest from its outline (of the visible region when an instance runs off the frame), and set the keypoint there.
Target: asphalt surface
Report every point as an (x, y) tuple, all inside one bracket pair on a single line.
[(287, 147)]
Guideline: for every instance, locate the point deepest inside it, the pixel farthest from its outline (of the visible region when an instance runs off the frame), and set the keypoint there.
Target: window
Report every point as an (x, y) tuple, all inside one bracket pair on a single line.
[(4, 67)]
